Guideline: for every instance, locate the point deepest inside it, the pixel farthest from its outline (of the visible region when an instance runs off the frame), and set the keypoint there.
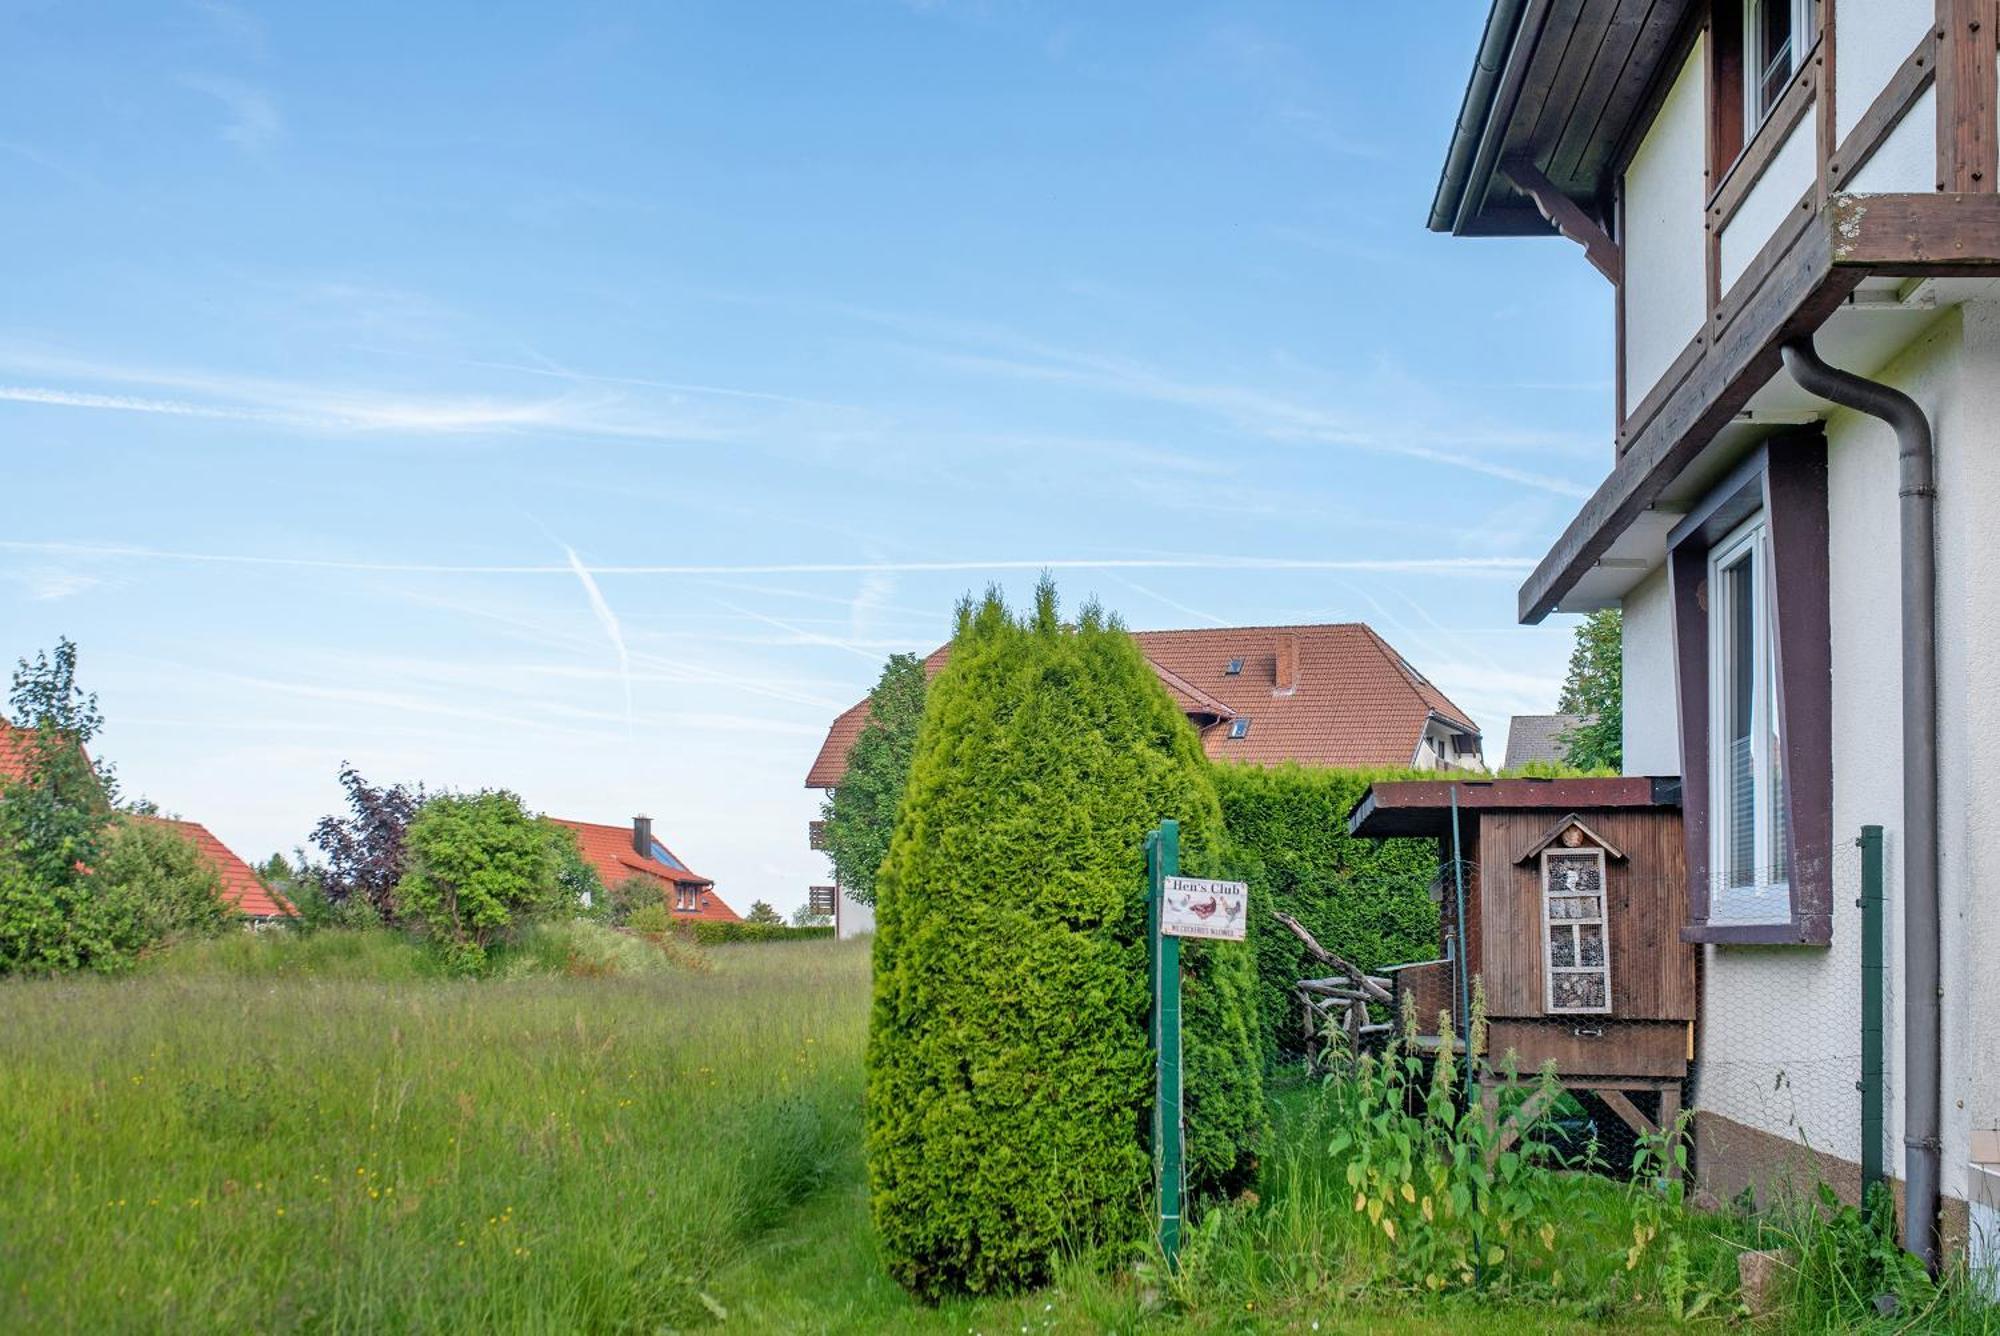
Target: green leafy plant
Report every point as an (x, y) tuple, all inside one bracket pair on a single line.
[(859, 815), (1008, 1070), (1661, 1227), (474, 862), (1454, 1197), (162, 879)]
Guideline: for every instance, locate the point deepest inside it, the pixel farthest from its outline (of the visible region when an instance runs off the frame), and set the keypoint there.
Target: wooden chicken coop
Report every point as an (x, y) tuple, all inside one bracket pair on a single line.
[(1574, 894)]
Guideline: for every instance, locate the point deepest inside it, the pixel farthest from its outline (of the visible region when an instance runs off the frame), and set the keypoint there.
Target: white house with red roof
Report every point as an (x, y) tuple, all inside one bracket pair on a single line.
[(619, 852), (1335, 695)]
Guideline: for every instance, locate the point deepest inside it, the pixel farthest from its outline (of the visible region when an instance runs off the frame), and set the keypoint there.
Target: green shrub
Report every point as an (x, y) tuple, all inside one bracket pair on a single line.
[(1366, 900), (473, 862), (651, 919), (581, 948), (1009, 1085), (723, 932), (632, 894), (163, 878)]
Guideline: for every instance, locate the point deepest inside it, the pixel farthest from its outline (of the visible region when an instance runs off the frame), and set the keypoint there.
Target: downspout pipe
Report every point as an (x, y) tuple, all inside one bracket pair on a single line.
[(1922, 1040)]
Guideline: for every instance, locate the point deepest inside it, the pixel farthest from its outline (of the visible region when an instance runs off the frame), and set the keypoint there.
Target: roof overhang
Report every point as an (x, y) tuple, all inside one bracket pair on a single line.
[(1423, 807), (1864, 274), (1561, 84)]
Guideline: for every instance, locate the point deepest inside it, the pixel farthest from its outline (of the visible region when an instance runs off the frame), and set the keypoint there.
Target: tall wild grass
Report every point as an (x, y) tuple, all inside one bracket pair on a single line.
[(308, 1132)]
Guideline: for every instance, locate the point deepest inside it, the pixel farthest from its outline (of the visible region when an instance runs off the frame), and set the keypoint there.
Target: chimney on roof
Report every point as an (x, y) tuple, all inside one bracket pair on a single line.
[(642, 836), (1288, 665)]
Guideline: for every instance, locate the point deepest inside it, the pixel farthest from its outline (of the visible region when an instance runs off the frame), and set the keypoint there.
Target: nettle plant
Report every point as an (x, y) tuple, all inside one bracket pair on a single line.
[(1451, 1202)]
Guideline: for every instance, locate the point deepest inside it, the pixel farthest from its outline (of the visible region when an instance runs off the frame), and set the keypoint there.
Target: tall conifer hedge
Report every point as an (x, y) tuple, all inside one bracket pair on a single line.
[(1009, 1080), (1366, 900)]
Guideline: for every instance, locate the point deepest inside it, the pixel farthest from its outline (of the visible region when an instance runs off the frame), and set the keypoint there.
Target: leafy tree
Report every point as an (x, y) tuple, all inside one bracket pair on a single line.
[(762, 912), (476, 861), (580, 888), (1008, 1070), (364, 850), (803, 917), (171, 888), (860, 814), (53, 817), (1595, 688)]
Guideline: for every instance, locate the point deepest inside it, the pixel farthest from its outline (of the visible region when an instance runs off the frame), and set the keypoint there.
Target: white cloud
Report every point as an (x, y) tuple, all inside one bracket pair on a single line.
[(605, 618)]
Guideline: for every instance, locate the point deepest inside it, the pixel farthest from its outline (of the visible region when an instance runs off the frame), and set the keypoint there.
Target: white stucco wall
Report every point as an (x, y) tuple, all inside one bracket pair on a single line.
[(1779, 1044), (1652, 741), (1907, 159), (1873, 37), (1790, 174), (852, 918), (1665, 294)]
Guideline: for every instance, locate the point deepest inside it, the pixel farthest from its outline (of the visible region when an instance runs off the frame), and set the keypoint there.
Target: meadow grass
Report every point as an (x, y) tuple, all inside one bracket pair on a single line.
[(252, 1144)]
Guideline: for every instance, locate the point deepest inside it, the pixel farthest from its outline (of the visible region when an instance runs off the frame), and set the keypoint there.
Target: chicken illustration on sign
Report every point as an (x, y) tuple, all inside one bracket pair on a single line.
[(1197, 907)]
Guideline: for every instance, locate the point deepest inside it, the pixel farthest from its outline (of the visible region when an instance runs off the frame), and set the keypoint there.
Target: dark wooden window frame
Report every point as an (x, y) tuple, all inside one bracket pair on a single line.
[(1785, 479)]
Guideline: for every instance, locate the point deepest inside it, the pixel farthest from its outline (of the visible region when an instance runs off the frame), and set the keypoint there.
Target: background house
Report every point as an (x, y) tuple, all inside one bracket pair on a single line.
[(1538, 738), (1806, 560), (242, 889), (1327, 695), (618, 852)]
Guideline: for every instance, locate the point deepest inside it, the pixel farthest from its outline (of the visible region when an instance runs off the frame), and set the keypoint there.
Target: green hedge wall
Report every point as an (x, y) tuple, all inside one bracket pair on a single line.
[(1367, 900), (717, 932), (1009, 1079)]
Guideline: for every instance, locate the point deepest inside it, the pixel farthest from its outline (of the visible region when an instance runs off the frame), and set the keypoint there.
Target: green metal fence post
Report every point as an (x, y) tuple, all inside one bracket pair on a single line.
[(1163, 849), (1873, 973)]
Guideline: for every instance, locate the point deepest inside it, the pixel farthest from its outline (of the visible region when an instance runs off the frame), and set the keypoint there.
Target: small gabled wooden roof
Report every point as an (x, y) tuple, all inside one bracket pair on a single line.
[(1554, 833)]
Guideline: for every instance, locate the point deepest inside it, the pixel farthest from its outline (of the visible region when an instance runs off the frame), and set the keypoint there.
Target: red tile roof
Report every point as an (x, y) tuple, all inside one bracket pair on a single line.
[(609, 850), (242, 889), (1354, 703)]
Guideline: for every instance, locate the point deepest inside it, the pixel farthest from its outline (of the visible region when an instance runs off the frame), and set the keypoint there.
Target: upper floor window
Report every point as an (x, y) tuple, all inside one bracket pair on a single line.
[(1776, 34), (1749, 858)]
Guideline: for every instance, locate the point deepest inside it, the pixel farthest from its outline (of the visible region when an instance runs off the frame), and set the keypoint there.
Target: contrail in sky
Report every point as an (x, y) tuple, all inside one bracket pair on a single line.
[(606, 618)]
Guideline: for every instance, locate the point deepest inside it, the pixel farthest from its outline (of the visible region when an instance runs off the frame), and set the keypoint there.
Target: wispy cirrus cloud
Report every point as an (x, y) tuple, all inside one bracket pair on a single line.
[(253, 123), (1478, 565)]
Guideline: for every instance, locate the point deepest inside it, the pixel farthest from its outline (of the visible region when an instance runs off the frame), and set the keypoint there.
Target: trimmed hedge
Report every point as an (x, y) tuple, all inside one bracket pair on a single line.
[(1367, 900), (719, 932), (1009, 1078)]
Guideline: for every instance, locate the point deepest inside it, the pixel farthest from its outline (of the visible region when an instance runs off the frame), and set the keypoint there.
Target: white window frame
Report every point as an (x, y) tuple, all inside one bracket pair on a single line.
[(1763, 901), (1603, 924), (1754, 67)]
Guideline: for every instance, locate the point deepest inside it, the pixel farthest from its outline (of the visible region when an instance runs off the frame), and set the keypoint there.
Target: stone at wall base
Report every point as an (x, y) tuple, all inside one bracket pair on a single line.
[(1757, 1277)]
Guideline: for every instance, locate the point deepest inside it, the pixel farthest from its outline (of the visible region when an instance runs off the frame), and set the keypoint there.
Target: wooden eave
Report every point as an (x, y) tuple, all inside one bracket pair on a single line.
[(1808, 269), (1422, 807), (1577, 78)]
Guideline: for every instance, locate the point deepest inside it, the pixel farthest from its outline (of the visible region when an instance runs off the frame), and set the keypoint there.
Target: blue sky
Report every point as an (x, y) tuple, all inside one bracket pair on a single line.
[(585, 398)]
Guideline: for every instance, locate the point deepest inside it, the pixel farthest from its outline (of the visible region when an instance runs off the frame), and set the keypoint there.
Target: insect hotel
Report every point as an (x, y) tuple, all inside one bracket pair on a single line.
[(1563, 899)]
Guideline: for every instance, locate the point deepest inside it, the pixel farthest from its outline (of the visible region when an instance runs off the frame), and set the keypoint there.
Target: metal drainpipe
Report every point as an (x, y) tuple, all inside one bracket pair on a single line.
[(1922, 1046)]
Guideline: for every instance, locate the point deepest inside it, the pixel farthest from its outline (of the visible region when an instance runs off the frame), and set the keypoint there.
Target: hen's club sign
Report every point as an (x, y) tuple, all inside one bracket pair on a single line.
[(1198, 907)]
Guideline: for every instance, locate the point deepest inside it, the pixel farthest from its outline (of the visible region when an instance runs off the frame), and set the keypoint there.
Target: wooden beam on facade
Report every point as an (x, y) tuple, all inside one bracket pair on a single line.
[(1789, 290), (1968, 141), (1566, 217)]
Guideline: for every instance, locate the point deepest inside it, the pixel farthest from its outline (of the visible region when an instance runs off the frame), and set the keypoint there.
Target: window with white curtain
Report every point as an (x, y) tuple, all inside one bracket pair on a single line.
[(1749, 861)]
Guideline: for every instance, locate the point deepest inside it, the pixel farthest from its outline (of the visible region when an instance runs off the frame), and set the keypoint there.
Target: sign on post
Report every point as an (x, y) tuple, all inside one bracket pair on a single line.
[(1177, 907), (1198, 907)]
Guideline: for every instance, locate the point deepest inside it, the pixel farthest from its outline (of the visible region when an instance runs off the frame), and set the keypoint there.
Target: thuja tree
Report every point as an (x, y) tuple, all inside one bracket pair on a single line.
[(1366, 900), (860, 814), (1009, 1092)]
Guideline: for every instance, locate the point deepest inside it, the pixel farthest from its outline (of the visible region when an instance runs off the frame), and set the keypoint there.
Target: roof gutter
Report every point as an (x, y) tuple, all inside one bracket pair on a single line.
[(1922, 1049), (1501, 25)]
